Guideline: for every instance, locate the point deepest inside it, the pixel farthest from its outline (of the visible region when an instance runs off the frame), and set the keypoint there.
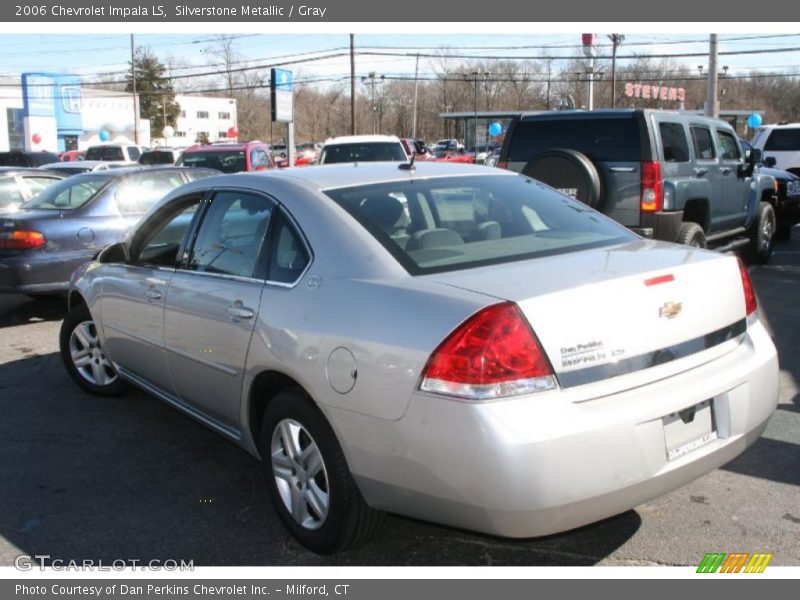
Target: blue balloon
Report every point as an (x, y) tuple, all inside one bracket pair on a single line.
[(104, 135), (495, 129), (754, 121)]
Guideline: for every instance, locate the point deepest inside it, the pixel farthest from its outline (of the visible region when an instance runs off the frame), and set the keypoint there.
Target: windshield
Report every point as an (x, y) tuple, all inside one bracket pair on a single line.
[(362, 152), (455, 223), (227, 162), (68, 194)]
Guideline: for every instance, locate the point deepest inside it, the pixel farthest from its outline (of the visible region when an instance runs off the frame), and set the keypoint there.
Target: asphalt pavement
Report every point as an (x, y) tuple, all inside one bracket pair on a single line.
[(130, 478)]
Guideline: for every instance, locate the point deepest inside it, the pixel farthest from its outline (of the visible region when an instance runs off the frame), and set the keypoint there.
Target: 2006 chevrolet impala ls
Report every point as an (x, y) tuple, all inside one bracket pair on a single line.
[(455, 343)]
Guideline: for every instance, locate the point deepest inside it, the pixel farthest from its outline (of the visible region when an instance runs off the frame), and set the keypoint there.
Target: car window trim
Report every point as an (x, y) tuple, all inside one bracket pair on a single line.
[(273, 242)]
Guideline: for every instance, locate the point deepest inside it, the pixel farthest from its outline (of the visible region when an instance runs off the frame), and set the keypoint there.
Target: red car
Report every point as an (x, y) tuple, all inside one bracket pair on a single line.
[(458, 156), (73, 155), (229, 157)]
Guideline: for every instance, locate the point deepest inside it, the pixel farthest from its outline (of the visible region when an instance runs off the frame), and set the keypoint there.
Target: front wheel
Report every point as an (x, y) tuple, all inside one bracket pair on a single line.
[(308, 479), (762, 236), (85, 357)]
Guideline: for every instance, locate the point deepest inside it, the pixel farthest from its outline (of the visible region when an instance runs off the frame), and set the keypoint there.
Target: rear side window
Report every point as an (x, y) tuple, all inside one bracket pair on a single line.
[(784, 139), (604, 140), (703, 145), (446, 224), (289, 256), (673, 142), (729, 149)]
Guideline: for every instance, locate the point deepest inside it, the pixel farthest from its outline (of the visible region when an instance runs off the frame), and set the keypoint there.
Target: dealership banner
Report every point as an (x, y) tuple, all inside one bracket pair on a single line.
[(408, 11)]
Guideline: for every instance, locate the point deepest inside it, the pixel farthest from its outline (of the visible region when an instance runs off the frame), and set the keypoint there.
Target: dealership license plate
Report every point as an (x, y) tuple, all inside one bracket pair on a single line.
[(689, 429)]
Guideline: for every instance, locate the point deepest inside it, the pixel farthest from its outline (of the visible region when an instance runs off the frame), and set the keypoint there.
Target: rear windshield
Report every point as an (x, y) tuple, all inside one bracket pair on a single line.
[(157, 157), (784, 139), (68, 194), (105, 153), (453, 223), (365, 152), (603, 140), (227, 162)]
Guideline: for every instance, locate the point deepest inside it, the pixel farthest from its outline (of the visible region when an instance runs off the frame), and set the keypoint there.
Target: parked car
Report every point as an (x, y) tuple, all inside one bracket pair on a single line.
[(73, 155), (69, 222), (667, 175), (787, 197), (481, 152), (416, 148), (74, 167), (124, 153), (229, 157), (453, 343), (362, 148), (18, 185), (25, 158), (458, 156), (279, 151), (449, 144), (160, 156), (780, 146), (492, 158)]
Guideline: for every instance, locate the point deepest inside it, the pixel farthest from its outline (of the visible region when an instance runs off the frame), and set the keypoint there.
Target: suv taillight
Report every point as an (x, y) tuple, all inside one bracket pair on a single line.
[(21, 239), (750, 304), (493, 354), (651, 187)]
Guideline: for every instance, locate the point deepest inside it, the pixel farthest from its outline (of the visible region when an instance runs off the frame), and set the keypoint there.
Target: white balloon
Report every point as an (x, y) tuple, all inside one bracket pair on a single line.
[(168, 131)]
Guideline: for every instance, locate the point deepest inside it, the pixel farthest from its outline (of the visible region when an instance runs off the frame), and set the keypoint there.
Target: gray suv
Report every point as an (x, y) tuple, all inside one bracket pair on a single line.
[(666, 175)]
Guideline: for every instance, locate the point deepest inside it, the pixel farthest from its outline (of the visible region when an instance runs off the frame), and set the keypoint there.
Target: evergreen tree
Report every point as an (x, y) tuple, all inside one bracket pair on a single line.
[(155, 90)]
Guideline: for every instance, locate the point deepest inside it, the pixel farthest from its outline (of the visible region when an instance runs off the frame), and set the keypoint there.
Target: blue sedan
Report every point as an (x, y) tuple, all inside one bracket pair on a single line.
[(68, 223)]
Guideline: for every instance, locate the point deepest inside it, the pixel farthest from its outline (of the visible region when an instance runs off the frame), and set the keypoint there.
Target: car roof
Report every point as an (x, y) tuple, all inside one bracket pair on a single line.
[(222, 147), (361, 139), (342, 175)]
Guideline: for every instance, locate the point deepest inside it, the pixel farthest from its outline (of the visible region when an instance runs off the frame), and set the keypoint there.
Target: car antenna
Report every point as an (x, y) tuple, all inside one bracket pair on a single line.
[(408, 166)]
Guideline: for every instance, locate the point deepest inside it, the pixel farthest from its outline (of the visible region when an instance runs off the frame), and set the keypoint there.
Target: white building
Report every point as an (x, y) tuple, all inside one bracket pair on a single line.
[(214, 117), (12, 132)]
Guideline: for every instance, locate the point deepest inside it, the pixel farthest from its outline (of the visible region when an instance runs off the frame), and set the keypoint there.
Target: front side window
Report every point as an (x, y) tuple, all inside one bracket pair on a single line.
[(230, 239), (729, 149), (163, 237), (462, 222), (138, 194), (703, 144)]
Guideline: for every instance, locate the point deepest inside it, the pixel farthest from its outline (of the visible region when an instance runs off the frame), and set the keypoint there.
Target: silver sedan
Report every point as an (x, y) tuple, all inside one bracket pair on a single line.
[(455, 343)]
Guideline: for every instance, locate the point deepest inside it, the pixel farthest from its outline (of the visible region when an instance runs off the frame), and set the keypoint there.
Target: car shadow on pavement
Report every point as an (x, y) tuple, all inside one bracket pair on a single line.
[(129, 478), (19, 310)]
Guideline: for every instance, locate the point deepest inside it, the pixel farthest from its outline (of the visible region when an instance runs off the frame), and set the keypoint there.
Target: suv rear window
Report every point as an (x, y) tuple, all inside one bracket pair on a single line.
[(231, 161), (601, 139), (452, 223), (105, 153), (784, 139), (362, 152)]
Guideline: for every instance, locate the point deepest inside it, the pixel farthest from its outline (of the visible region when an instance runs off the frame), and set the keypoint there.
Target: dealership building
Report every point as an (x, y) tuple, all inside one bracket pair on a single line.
[(55, 112)]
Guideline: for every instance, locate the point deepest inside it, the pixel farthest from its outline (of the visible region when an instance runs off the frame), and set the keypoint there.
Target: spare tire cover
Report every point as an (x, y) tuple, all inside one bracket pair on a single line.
[(568, 171)]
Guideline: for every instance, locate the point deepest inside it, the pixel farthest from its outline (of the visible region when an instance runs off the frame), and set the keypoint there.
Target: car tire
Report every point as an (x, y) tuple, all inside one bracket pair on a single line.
[(570, 172), (762, 236), (308, 479), (84, 356), (691, 234)]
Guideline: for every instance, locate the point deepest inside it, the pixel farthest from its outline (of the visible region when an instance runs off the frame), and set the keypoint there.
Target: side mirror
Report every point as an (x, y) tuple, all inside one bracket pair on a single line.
[(115, 253), (770, 161)]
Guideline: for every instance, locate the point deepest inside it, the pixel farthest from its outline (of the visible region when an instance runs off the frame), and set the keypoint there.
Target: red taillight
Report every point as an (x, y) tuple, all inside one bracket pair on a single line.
[(21, 240), (651, 186), (492, 354), (502, 164), (750, 304)]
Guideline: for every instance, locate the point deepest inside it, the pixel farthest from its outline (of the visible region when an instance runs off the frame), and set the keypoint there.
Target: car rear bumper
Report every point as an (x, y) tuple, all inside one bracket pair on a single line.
[(39, 273), (662, 226), (538, 465)]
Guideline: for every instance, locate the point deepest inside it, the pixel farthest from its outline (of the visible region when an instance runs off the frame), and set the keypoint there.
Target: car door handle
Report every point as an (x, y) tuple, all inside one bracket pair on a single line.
[(622, 169), (725, 170), (152, 294), (240, 312), (700, 172)]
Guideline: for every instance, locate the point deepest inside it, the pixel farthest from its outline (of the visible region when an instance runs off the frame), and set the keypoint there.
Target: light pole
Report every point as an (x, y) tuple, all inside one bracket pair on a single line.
[(616, 40), (372, 78), (474, 76)]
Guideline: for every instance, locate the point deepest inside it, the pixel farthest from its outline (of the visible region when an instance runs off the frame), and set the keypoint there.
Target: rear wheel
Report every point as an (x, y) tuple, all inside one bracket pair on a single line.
[(762, 236), (309, 480), (84, 357), (691, 234)]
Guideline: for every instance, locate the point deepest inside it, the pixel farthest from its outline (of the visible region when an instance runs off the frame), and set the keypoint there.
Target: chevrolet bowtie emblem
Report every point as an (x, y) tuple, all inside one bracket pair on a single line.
[(670, 310)]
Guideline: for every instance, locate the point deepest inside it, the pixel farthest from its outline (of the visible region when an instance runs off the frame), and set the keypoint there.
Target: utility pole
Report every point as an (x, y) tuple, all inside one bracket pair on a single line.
[(372, 79), (352, 84), (616, 40), (712, 103), (135, 99), (416, 82), (475, 75)]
